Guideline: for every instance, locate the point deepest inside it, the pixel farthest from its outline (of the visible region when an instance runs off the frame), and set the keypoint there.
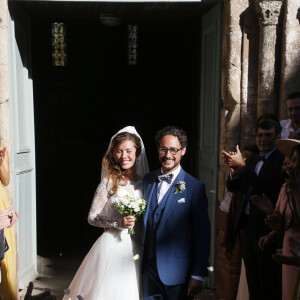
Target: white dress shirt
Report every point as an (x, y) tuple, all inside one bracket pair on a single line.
[(287, 128), (163, 186)]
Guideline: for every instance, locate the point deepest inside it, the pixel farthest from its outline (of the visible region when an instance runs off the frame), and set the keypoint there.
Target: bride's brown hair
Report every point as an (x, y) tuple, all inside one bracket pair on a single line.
[(113, 170)]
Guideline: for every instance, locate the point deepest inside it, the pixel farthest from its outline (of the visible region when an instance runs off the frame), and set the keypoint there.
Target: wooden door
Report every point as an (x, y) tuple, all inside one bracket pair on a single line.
[(23, 152), (209, 114)]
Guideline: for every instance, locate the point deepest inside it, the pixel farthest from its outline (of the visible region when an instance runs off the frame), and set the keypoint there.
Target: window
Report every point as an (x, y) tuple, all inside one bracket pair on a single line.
[(59, 44), (132, 44)]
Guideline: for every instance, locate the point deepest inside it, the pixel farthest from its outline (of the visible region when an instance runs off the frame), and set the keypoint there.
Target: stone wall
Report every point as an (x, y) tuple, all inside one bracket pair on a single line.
[(227, 271), (253, 83)]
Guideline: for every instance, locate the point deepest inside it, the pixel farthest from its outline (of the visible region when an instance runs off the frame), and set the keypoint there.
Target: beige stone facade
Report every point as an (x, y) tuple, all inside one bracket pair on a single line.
[(261, 57)]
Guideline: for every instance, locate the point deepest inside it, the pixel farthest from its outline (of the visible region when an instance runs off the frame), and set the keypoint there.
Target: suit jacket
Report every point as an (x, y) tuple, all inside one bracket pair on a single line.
[(183, 233), (267, 182)]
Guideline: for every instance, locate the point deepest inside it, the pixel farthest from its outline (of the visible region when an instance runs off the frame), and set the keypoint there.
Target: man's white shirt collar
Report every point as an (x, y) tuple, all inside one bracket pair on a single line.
[(287, 128), (163, 186), (175, 173)]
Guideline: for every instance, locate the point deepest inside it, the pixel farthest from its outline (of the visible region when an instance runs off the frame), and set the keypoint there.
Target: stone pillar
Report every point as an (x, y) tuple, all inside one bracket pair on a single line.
[(268, 12), (5, 128), (227, 271), (290, 72), (249, 70)]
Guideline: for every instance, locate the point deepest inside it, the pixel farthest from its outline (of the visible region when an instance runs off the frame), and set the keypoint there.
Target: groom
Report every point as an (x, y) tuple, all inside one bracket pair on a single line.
[(176, 235)]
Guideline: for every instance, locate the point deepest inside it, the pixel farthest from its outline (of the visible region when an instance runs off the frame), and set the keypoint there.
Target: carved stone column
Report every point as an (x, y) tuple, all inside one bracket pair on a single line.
[(227, 272), (268, 13)]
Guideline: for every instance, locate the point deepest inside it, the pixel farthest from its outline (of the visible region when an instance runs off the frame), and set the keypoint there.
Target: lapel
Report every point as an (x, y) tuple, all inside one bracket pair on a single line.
[(148, 196), (268, 161), (171, 197)]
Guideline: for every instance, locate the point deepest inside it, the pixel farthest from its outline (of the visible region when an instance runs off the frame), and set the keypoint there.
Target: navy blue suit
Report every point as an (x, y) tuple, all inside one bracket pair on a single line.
[(263, 273), (176, 235)]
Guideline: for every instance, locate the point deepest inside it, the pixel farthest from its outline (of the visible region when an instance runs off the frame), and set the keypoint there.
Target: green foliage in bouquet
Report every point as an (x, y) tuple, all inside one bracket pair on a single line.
[(130, 206)]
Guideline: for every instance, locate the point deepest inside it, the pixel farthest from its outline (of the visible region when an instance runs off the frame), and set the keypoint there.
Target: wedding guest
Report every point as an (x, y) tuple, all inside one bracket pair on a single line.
[(284, 218), (260, 175), (9, 281), (231, 233), (291, 126)]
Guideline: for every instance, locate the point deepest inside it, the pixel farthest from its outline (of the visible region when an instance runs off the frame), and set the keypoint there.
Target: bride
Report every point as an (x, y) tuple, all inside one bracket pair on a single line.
[(110, 271)]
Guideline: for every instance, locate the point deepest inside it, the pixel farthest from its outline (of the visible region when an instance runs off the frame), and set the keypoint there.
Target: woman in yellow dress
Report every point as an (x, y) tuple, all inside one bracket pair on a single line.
[(9, 281)]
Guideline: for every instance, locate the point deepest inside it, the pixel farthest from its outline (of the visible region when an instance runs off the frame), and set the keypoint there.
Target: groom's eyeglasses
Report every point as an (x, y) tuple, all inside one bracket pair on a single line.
[(173, 151)]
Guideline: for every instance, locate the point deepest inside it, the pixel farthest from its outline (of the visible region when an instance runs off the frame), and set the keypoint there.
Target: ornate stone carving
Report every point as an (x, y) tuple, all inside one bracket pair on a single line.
[(268, 11)]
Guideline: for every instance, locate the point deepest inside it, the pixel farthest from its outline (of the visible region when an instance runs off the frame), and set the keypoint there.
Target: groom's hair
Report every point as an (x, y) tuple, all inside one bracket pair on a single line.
[(172, 130)]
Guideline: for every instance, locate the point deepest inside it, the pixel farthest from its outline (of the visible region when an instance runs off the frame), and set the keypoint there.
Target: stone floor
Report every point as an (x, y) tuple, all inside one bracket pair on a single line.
[(56, 274)]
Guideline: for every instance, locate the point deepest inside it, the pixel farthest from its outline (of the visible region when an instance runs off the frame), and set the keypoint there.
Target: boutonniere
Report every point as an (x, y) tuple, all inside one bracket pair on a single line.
[(180, 187)]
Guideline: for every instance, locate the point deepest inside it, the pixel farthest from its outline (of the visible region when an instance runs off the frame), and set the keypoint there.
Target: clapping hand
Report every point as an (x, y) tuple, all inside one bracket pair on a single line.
[(274, 221), (8, 217), (263, 203), (264, 241), (13, 218), (234, 160), (46, 295)]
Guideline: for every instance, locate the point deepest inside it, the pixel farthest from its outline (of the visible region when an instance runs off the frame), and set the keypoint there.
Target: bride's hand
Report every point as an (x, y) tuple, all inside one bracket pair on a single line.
[(128, 222)]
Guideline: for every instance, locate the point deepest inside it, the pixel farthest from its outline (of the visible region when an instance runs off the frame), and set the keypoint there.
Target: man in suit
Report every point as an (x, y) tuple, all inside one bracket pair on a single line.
[(176, 236), (261, 175)]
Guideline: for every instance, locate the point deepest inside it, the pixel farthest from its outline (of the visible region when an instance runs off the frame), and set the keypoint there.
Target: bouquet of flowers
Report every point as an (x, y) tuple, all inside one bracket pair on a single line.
[(130, 206)]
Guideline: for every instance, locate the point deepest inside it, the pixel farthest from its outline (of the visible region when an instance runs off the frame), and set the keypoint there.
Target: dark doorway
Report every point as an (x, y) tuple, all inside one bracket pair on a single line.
[(80, 106)]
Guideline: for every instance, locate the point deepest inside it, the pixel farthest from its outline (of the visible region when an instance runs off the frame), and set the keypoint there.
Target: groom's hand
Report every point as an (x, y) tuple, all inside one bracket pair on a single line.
[(194, 287)]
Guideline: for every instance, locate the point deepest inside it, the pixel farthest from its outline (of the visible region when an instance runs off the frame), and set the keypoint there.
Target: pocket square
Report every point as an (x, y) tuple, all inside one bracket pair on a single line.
[(182, 200)]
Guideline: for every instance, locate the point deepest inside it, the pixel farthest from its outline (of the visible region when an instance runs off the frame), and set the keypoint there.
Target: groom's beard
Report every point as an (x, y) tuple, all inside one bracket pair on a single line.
[(171, 166)]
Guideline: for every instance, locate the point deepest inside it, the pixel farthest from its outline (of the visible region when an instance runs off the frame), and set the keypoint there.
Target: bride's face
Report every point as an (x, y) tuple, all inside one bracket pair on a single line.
[(125, 154)]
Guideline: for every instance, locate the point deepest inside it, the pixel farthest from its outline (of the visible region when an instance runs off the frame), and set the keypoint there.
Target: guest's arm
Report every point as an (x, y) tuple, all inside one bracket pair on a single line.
[(294, 185), (5, 218), (4, 166), (268, 183)]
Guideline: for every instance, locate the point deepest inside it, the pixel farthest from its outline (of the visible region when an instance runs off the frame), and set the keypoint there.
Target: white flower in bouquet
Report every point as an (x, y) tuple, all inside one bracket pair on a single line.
[(129, 206)]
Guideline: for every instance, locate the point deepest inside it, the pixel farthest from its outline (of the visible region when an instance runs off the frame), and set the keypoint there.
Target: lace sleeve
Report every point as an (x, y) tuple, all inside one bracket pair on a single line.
[(97, 216)]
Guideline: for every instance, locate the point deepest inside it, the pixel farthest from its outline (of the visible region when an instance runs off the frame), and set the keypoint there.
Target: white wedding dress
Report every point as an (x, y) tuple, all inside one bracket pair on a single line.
[(109, 271)]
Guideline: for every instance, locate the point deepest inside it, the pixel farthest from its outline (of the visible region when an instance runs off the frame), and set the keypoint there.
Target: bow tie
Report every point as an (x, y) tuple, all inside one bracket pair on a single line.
[(167, 178)]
